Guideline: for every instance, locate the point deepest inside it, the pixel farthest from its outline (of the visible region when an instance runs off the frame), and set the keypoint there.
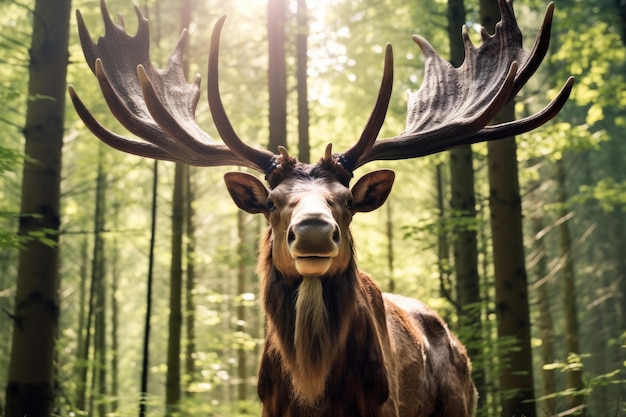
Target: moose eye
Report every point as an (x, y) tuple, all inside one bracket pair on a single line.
[(349, 203), (270, 205)]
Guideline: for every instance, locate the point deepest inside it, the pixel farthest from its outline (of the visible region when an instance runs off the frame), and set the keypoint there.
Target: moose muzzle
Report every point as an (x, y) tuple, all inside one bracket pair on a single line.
[(313, 238)]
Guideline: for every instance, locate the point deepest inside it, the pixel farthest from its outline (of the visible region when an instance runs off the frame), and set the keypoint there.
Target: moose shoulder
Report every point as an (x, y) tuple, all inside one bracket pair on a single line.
[(335, 345)]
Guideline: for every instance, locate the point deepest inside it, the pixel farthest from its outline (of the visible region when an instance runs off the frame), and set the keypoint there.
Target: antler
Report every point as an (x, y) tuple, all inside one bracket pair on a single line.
[(454, 105), (158, 105)]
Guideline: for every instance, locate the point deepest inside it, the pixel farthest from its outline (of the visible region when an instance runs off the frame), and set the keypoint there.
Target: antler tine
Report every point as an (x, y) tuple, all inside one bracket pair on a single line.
[(453, 105), (116, 141), (375, 122), (539, 49), (507, 129), (508, 31), (156, 105), (263, 159)]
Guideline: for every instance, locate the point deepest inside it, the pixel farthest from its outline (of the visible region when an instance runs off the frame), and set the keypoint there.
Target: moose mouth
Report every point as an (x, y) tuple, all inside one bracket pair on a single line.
[(312, 266)]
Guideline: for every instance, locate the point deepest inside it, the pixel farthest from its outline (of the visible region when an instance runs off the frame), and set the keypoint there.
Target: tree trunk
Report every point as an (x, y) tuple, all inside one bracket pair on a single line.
[(179, 221), (573, 376), (172, 384), (277, 74), (391, 286), (443, 247), (115, 277), (303, 91), (190, 309), (83, 332), (544, 324), (463, 207), (242, 367), (512, 307), (145, 359), (98, 276), (30, 388)]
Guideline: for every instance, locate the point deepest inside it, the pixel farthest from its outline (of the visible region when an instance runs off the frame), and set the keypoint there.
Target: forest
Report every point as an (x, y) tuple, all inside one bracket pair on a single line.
[(128, 285)]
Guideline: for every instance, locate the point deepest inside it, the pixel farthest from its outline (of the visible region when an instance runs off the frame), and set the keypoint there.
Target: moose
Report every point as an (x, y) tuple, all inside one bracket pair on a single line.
[(335, 344)]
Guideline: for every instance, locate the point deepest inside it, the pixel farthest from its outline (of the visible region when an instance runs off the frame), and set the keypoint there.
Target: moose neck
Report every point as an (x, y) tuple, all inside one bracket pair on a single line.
[(308, 318)]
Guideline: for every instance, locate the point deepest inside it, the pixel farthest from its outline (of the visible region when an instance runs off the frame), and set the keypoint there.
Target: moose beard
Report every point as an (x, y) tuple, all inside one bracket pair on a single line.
[(313, 342)]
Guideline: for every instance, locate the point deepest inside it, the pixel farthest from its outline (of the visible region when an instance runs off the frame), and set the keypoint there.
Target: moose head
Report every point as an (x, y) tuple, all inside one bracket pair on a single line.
[(335, 345)]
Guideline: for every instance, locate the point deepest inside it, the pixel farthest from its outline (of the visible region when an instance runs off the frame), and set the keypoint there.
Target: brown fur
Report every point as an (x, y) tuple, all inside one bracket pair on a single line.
[(335, 345), (315, 347)]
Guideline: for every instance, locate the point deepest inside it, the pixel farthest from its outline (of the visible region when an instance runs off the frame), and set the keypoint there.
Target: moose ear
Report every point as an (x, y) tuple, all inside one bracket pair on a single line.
[(371, 190), (247, 192)]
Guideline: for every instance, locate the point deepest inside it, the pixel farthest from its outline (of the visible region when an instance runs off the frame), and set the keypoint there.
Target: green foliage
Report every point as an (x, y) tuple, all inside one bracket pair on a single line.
[(575, 363), (195, 406), (609, 194)]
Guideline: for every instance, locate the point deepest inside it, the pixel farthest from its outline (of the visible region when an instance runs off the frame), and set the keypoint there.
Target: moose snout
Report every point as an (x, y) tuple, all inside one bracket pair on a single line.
[(313, 237)]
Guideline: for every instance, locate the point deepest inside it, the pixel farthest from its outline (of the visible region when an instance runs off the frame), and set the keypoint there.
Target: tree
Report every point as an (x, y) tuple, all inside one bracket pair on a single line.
[(512, 307), (98, 277), (277, 74), (173, 387), (303, 92), (574, 376), (190, 285), (463, 209), (30, 388)]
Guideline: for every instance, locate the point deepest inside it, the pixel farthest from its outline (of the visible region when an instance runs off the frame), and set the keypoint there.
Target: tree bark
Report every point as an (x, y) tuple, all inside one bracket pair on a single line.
[(443, 246), (30, 388), (242, 367), (277, 74), (512, 307), (573, 376), (190, 309), (545, 323), (303, 91), (391, 286), (98, 276), (83, 332), (115, 277), (145, 357), (172, 383), (463, 208)]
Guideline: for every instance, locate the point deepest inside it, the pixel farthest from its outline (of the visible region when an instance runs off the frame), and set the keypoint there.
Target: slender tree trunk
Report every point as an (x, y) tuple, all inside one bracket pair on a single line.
[(277, 74), (82, 349), (188, 229), (242, 367), (512, 307), (115, 276), (145, 362), (303, 91), (617, 223), (172, 383), (98, 276), (443, 247), (574, 376), (391, 286), (190, 310), (544, 320), (30, 387), (463, 207), (179, 209)]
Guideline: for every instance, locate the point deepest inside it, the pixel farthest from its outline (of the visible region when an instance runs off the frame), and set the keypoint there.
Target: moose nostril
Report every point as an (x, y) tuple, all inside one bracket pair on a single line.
[(291, 236), (336, 235)]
